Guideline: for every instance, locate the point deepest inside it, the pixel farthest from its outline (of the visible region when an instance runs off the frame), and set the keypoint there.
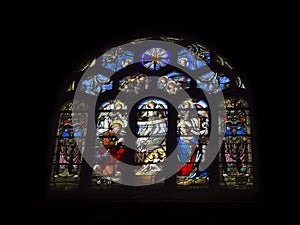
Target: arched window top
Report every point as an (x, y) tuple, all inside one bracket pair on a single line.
[(192, 55), (158, 128)]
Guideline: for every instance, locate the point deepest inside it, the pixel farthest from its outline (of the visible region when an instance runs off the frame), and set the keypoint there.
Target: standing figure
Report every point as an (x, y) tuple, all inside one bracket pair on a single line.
[(195, 117), (235, 149), (69, 158), (186, 141), (195, 176), (186, 144)]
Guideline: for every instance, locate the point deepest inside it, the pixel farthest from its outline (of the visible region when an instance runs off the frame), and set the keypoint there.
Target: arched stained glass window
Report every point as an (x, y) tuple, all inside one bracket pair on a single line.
[(235, 157), (69, 146), (151, 119), (192, 134), (112, 120), (151, 143)]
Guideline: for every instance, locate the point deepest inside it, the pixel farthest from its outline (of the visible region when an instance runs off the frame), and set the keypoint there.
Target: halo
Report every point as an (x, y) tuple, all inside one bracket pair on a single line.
[(151, 101), (183, 60), (184, 123), (163, 77), (117, 122), (188, 101), (118, 102), (142, 75)]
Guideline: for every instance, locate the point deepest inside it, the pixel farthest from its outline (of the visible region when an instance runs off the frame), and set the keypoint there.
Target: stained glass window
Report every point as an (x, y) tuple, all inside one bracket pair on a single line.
[(173, 82), (155, 58), (235, 157), (188, 58), (151, 143), (150, 108), (112, 122), (134, 84), (117, 59), (96, 84), (192, 139), (69, 146)]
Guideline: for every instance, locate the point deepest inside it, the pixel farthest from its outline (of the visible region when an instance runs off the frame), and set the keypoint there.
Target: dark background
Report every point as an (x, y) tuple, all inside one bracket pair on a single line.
[(45, 43)]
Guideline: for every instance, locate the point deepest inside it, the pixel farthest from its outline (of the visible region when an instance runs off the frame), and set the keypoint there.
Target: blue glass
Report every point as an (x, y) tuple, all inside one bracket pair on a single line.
[(66, 131), (117, 59), (78, 131), (234, 129), (97, 84), (189, 59), (223, 80), (155, 58)]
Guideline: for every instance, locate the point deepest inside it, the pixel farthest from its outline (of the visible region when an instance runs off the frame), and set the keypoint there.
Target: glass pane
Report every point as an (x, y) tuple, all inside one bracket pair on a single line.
[(213, 82), (192, 137), (152, 128), (155, 58), (70, 144), (134, 84), (117, 58), (97, 84), (173, 82), (235, 157)]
